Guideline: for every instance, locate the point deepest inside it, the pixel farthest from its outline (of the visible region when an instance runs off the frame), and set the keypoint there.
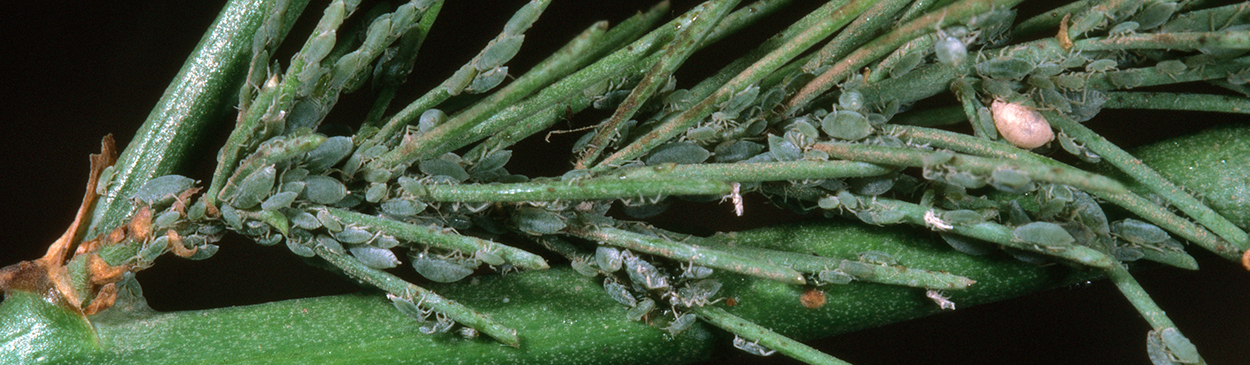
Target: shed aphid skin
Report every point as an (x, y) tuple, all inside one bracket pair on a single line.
[(940, 299), (1021, 125), (752, 347), (736, 198), (937, 224)]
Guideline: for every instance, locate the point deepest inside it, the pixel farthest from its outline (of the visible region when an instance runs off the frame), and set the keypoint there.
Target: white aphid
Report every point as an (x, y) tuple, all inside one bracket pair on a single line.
[(1021, 125)]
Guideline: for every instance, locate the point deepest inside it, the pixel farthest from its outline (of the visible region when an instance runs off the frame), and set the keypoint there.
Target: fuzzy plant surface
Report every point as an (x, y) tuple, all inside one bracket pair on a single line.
[(686, 181)]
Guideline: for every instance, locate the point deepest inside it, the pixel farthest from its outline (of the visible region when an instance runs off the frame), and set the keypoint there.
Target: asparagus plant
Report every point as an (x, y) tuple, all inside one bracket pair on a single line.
[(833, 117)]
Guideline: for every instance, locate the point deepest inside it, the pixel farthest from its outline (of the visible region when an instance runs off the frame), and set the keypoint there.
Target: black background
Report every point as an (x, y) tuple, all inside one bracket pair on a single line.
[(74, 73)]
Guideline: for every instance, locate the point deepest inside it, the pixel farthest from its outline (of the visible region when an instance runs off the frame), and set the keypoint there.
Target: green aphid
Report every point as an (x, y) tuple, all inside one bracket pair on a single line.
[(1043, 234)]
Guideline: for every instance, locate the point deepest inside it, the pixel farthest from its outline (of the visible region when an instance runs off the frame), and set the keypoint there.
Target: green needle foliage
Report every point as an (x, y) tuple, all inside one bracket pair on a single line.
[(832, 117)]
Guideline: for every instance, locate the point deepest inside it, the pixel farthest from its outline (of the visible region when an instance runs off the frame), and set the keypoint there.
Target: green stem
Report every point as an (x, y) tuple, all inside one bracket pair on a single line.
[(994, 232), (1169, 41), (1151, 179), (883, 45), (583, 189), (400, 288), (882, 274), (1177, 101), (977, 165), (1034, 26), (391, 79), (758, 334), (868, 24), (701, 256), (1134, 203), (762, 171), (779, 57), (434, 237), (675, 54), (203, 91)]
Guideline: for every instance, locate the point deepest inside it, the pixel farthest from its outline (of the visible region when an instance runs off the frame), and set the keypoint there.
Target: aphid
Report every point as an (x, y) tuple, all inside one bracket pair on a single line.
[(645, 274), (304, 220), (231, 216), (1005, 68), (296, 187), (941, 300), (166, 219), (812, 298), (353, 235), (678, 153), (1010, 180), (405, 306), (468, 332), (437, 269), (1155, 13), (1070, 82), (1171, 67), (1020, 125), (329, 244), (697, 293), (279, 201), (537, 221), (162, 190), (906, 63), (950, 50), (963, 217), (1048, 70), (403, 207), (1156, 350), (752, 348), (582, 266), (1178, 348), (1103, 65), (802, 126), (931, 220), (828, 202), (1124, 28), (442, 324), (619, 292), (697, 272), (1127, 254), (1044, 234), (835, 277), (846, 124), (1041, 82), (966, 245), (851, 100), (324, 189), (999, 88), (608, 259), (429, 119), (327, 154), (857, 269), (1126, 79), (877, 258), (1137, 231), (637, 312), (782, 149), (441, 167), (498, 52), (300, 248), (848, 200), (375, 193), (681, 324), (741, 100), (881, 217), (485, 81), (384, 241)]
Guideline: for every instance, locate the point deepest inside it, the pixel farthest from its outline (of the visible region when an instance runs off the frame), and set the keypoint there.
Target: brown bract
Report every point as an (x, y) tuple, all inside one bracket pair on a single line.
[(49, 275)]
